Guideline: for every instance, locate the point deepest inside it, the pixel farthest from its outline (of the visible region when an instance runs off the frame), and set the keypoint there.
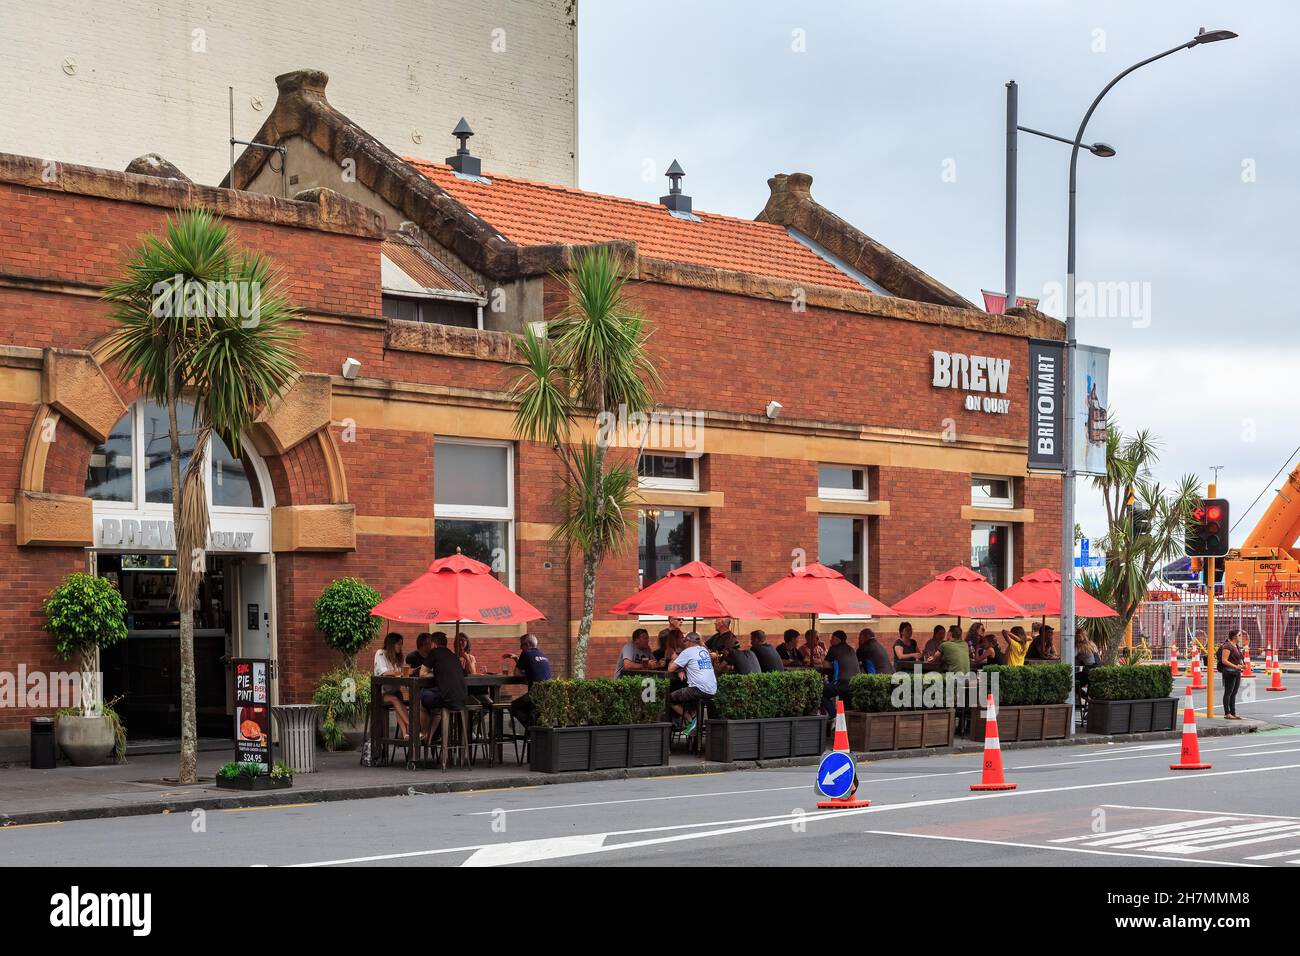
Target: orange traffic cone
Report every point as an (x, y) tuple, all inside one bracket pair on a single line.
[(1173, 660), (841, 743), (1275, 665), (1198, 678), (1246, 671), (1190, 758), (993, 778)]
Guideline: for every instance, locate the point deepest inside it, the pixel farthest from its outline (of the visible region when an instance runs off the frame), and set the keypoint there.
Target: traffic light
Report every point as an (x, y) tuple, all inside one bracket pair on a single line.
[(1207, 532)]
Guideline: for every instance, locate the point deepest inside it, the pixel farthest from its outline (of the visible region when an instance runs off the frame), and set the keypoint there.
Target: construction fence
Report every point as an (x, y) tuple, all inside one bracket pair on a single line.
[(1268, 622)]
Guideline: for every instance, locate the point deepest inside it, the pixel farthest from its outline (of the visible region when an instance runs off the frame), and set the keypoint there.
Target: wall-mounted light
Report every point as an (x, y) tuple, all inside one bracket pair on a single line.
[(774, 410), (351, 367)]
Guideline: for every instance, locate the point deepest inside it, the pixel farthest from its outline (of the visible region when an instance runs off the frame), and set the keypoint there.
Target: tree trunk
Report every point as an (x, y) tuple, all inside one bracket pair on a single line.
[(189, 770), (589, 562)]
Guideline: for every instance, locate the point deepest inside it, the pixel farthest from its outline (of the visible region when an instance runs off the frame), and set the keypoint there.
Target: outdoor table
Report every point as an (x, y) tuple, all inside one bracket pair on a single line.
[(379, 723)]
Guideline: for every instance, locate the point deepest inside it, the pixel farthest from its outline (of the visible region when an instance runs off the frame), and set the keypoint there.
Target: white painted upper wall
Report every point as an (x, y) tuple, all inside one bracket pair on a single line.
[(100, 82)]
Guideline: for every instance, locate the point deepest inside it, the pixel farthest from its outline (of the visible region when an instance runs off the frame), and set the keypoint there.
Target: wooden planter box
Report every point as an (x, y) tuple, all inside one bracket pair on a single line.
[(900, 729), (765, 739), (263, 782), (1131, 716), (556, 749), (1024, 722)]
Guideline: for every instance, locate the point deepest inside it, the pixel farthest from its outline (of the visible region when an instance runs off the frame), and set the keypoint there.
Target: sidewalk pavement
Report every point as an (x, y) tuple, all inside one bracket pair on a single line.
[(147, 783)]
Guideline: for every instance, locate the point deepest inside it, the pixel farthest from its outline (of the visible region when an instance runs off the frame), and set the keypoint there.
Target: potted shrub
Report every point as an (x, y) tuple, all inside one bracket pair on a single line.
[(343, 617), (599, 724), (84, 614), (766, 716), (1130, 699), (1032, 702), (254, 776), (898, 712)]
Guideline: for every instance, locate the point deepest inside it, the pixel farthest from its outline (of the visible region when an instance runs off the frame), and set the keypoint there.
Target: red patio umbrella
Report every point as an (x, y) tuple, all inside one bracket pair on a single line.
[(458, 589), (695, 590), (817, 589), (959, 592), (1039, 592)]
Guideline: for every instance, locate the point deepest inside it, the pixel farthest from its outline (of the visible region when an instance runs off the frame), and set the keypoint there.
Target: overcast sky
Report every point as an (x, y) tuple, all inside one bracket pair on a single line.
[(897, 109)]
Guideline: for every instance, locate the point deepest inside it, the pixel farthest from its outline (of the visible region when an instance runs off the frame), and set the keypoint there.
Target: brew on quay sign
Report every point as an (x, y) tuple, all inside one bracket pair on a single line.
[(252, 711), (982, 377)]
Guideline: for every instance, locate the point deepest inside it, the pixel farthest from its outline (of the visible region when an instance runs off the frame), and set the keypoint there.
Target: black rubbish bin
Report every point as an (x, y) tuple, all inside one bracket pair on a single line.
[(44, 750)]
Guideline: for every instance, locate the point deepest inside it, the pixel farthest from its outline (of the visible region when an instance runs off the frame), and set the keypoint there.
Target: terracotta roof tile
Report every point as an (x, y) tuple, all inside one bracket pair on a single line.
[(533, 213)]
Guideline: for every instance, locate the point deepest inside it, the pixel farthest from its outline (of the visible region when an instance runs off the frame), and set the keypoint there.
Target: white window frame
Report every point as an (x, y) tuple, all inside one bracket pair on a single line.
[(484, 512), (695, 545), (1007, 502), (866, 560), (844, 494), (671, 484), (1008, 572), (138, 470)]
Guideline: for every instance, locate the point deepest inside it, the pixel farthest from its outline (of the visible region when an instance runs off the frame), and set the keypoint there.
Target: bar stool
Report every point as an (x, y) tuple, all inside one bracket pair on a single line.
[(458, 738)]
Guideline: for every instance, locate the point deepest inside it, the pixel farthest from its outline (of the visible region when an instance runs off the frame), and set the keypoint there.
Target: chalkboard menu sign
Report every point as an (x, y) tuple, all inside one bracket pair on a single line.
[(253, 711)]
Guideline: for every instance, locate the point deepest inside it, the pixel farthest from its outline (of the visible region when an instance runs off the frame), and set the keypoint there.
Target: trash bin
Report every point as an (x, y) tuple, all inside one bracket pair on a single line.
[(45, 752), (297, 726)]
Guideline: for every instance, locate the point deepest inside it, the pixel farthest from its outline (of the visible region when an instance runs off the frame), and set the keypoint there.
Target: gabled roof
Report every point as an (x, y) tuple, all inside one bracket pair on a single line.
[(531, 213)]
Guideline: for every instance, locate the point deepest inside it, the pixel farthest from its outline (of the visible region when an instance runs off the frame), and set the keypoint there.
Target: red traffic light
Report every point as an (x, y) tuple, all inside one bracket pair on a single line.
[(1213, 513)]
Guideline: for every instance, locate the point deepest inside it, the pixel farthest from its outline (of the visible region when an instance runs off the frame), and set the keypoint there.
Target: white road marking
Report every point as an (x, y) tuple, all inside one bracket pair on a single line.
[(1274, 856), (526, 851), (1111, 837), (1057, 849), (610, 803), (1220, 813)]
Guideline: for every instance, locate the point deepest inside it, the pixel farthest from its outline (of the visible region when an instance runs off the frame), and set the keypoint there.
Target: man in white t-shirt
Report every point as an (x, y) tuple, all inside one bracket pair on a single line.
[(701, 681)]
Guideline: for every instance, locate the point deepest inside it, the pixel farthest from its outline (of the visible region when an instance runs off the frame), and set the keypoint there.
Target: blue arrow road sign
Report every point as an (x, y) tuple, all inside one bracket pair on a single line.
[(835, 774)]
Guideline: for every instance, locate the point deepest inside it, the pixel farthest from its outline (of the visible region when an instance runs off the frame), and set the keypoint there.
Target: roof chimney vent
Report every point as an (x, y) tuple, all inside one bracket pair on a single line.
[(676, 200), (463, 162)]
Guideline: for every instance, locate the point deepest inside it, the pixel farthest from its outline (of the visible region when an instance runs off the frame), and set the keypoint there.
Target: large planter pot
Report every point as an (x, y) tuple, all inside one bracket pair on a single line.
[(87, 741), (1024, 722), (1131, 716), (557, 749), (900, 729), (263, 782), (765, 739)]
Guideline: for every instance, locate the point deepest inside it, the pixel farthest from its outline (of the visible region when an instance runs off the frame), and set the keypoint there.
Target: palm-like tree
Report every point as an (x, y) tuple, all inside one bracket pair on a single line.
[(592, 362), (1146, 526), (200, 320)]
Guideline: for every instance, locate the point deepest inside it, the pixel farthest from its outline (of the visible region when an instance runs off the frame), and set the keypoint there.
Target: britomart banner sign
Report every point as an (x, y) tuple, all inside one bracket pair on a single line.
[(1046, 405)]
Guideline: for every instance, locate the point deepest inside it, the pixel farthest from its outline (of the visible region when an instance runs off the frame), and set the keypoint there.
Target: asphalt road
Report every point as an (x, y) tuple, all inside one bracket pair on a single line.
[(1075, 806)]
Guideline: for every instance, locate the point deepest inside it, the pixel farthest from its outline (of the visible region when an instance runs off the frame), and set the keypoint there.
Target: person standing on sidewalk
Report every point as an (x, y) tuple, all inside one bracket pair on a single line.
[(1230, 663)]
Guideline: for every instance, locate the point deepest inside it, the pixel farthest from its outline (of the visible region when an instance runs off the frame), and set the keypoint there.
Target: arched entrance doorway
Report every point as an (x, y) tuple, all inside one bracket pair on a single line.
[(128, 480)]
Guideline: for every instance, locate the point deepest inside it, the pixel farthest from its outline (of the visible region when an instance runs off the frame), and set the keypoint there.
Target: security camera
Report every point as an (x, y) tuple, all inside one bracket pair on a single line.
[(774, 410), (351, 367)]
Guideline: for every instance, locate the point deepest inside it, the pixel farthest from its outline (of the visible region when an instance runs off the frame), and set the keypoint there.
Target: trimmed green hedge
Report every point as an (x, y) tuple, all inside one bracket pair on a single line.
[(792, 693), (1130, 682), (601, 701), (874, 692), (1031, 685)]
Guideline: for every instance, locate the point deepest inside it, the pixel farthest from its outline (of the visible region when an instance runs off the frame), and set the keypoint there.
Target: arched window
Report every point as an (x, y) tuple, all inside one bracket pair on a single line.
[(133, 466)]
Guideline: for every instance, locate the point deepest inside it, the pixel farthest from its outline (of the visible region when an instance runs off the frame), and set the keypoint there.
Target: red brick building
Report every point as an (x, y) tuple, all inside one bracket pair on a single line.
[(797, 353)]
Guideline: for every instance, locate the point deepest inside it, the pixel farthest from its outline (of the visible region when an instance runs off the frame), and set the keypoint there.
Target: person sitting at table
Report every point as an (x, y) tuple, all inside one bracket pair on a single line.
[(449, 689), (931, 659), (671, 644), (701, 681), (980, 646), (1017, 645), (906, 651), (788, 649), (674, 624), (636, 654), (722, 637), (389, 663), (813, 652), (872, 656), (1045, 647), (532, 664), (844, 665), (737, 661), (954, 654), (415, 659), (768, 657), (468, 662)]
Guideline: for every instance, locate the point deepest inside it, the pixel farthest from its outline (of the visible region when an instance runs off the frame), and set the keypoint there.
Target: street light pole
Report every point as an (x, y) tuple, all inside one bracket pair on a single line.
[(1013, 121), (1067, 491)]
